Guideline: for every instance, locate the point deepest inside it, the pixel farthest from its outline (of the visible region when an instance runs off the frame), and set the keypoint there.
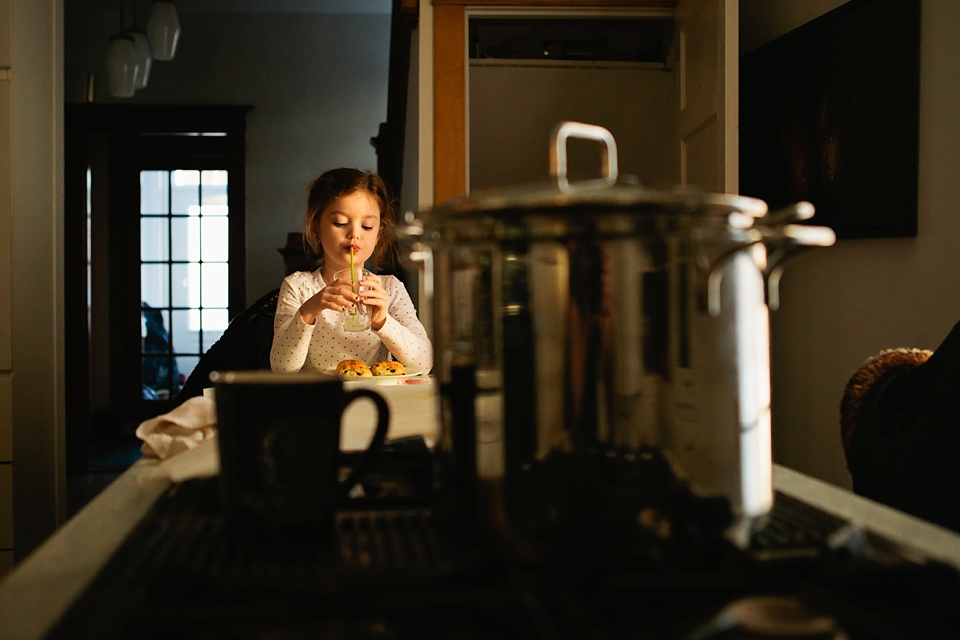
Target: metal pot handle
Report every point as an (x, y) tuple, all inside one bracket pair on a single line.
[(712, 266), (558, 152), (424, 255), (785, 241), (790, 240), (419, 251)]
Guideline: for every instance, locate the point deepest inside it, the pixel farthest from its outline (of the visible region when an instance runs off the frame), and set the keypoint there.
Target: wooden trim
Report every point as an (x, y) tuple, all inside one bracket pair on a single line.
[(449, 103), (116, 118), (391, 138), (633, 4)]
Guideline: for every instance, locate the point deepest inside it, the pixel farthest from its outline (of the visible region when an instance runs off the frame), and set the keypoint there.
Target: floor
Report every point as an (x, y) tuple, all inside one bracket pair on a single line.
[(107, 462)]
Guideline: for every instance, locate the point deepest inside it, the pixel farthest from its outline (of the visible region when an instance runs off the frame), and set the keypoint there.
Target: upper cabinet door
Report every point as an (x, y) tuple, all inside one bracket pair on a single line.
[(708, 82)]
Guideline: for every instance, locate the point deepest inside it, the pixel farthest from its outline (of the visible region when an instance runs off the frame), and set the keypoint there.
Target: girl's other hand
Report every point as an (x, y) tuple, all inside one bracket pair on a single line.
[(376, 300)]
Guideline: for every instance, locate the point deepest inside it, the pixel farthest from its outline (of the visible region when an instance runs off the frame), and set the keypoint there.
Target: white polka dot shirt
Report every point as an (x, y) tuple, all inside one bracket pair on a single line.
[(298, 346)]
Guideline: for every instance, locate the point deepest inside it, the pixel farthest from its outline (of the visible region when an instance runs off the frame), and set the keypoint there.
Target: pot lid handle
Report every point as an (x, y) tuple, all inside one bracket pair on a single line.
[(558, 151)]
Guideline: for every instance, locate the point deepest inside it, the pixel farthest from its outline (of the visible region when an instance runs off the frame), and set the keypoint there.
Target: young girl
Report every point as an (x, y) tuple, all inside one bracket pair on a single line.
[(347, 209)]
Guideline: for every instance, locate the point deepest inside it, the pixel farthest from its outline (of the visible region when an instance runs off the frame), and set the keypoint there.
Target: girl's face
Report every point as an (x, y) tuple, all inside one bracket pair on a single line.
[(352, 220)]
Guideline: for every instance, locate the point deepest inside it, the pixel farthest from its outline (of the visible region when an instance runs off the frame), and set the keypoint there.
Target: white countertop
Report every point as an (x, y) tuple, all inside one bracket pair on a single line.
[(910, 533), (42, 587)]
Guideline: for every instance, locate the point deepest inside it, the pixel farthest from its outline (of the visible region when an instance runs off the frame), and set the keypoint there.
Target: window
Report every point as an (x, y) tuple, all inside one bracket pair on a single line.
[(184, 273)]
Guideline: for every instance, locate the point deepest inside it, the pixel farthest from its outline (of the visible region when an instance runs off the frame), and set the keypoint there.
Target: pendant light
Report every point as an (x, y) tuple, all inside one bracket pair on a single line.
[(122, 67), (163, 30), (144, 58)]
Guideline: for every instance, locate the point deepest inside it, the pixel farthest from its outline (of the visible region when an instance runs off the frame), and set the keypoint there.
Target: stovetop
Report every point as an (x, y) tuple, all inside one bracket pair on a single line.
[(402, 568)]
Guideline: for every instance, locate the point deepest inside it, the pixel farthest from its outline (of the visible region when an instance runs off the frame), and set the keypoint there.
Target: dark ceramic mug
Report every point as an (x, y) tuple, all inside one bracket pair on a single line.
[(279, 440)]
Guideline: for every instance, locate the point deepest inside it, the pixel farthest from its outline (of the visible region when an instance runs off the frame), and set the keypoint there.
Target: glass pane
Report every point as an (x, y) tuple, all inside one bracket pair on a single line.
[(156, 377), (154, 239), (215, 285), (154, 192), (186, 285), (156, 337), (214, 322), (186, 339), (214, 193), (154, 285), (185, 366), (186, 239), (215, 210), (215, 239), (185, 192)]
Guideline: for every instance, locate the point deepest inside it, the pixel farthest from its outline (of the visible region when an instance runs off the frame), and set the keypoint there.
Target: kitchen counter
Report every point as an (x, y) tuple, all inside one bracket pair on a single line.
[(45, 584), (43, 587)]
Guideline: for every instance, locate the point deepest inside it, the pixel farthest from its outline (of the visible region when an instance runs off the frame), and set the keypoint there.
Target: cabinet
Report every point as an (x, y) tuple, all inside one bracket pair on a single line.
[(702, 96)]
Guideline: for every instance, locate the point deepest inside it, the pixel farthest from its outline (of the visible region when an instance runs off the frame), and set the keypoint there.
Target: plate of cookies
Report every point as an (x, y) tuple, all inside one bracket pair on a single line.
[(360, 371)]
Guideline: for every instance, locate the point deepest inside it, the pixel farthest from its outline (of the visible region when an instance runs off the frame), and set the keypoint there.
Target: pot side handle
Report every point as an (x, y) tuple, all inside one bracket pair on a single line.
[(558, 151), (785, 241), (789, 242), (782, 241), (420, 252), (711, 265)]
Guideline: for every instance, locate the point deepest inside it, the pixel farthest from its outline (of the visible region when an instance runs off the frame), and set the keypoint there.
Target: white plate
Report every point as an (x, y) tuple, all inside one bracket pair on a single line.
[(333, 372)]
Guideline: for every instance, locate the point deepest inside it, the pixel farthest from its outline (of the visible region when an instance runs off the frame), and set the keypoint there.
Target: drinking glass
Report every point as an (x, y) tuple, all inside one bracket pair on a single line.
[(355, 318)]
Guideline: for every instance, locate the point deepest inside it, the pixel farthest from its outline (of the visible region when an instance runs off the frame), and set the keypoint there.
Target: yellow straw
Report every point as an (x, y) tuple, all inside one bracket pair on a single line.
[(353, 273)]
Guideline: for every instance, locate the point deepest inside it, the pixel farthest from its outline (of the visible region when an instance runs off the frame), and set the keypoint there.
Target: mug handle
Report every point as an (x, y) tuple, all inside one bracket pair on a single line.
[(376, 443)]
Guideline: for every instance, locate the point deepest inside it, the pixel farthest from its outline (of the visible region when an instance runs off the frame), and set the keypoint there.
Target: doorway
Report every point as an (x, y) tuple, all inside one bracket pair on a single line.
[(154, 249)]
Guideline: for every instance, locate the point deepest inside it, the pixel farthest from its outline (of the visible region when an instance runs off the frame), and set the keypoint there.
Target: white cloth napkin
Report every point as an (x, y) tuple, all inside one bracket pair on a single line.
[(202, 461), (181, 429)]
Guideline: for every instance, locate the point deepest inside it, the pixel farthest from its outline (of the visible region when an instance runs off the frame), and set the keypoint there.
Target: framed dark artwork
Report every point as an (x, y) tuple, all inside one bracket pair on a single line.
[(829, 113)]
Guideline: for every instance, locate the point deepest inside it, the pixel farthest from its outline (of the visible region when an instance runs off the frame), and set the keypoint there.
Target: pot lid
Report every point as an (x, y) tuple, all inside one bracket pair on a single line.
[(591, 200), (551, 212), (626, 194)]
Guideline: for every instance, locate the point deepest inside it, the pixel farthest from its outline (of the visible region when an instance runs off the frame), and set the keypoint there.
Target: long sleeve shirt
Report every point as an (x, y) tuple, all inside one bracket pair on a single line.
[(298, 346)]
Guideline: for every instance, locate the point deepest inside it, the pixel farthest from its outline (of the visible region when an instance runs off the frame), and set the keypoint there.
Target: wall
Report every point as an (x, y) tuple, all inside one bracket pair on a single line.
[(844, 304), (317, 84), (31, 123)]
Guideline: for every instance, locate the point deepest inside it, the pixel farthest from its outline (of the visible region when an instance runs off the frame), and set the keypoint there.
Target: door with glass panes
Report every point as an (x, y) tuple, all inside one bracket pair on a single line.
[(173, 273)]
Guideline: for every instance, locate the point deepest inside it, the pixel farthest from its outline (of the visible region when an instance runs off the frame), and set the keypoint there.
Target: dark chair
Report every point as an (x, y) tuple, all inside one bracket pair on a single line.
[(245, 344), (900, 429)]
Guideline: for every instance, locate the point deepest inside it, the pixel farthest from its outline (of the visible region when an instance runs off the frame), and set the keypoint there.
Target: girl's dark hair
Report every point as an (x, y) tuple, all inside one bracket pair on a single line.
[(341, 182)]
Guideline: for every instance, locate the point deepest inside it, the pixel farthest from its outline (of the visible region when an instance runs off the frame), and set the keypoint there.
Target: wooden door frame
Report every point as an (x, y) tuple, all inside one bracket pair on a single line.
[(89, 129)]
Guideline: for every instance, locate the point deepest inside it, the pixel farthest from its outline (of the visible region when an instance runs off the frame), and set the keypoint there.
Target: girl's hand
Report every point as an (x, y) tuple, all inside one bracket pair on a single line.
[(338, 295), (376, 300)]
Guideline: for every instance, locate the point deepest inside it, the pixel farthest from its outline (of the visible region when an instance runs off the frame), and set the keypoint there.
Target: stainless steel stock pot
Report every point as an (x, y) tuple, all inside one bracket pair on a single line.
[(602, 318)]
